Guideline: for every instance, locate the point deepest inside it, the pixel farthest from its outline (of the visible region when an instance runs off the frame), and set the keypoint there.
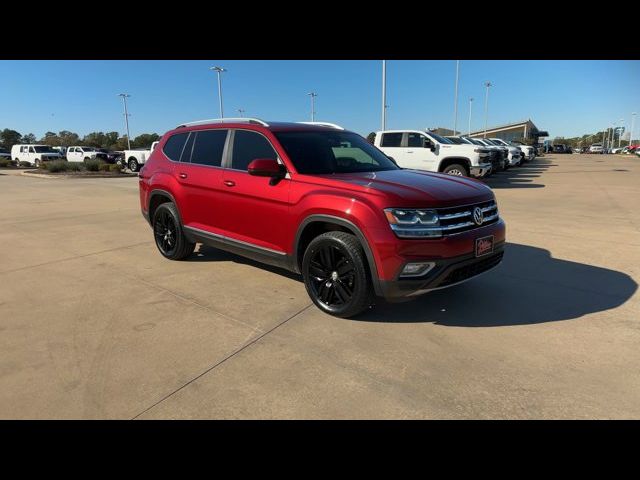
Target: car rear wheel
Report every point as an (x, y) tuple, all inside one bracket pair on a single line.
[(456, 169), (133, 165), (36, 163), (336, 276), (168, 233)]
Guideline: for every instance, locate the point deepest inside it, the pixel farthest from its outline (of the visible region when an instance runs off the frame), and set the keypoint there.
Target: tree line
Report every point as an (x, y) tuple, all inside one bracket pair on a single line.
[(587, 140), (65, 138)]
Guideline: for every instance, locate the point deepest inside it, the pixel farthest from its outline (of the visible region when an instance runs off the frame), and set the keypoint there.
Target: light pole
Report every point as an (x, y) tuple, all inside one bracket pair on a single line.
[(470, 105), (313, 96), (126, 116), (633, 124), (384, 94), (455, 100), (619, 132), (219, 70), (486, 108), (241, 111)]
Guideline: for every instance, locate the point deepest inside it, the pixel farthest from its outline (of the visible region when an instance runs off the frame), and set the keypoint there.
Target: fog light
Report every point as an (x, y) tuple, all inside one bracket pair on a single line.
[(416, 269)]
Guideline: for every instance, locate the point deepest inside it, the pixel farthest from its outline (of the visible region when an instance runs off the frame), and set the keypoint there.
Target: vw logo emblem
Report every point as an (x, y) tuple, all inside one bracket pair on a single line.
[(477, 216)]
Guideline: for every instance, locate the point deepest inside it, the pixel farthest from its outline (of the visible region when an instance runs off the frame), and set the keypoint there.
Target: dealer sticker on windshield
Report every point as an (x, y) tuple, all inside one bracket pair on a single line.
[(484, 246)]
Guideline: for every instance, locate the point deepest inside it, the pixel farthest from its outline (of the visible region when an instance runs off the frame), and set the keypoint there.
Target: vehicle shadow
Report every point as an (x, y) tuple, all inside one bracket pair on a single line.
[(529, 287), (521, 177)]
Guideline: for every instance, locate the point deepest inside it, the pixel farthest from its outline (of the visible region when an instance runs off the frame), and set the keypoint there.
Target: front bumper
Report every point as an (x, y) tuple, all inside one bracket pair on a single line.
[(446, 273), (480, 170)]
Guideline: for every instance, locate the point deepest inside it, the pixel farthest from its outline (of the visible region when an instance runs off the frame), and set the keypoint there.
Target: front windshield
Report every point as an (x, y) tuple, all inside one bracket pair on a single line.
[(320, 152), (456, 140), (44, 149), (88, 149), (440, 139)]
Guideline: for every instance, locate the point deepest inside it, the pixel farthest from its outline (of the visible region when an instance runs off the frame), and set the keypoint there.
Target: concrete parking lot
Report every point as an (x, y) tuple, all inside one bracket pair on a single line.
[(94, 323)]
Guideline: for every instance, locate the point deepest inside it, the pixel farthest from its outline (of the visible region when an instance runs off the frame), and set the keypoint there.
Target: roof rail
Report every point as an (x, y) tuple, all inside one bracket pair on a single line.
[(326, 124), (223, 120)]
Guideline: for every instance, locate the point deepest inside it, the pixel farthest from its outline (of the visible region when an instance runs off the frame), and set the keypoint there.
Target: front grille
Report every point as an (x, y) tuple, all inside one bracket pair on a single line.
[(460, 219), (467, 271)]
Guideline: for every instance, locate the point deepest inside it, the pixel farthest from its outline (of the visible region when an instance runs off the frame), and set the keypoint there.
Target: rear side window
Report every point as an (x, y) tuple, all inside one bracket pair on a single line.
[(174, 145), (391, 139), (208, 148), (415, 140), (247, 146)]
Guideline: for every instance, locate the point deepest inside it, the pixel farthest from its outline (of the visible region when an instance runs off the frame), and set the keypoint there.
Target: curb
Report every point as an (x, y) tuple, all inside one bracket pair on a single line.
[(48, 175)]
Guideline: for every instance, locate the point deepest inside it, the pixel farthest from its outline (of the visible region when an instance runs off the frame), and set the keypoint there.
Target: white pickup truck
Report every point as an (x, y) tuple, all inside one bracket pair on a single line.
[(422, 150), (134, 158)]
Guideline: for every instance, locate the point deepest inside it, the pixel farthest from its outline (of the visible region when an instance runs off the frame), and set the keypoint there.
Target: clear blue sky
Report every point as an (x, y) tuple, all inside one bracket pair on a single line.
[(566, 98)]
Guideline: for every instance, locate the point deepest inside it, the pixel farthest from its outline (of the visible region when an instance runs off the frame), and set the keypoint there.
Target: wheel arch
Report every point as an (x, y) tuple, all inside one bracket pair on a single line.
[(445, 162), (318, 223), (156, 198)]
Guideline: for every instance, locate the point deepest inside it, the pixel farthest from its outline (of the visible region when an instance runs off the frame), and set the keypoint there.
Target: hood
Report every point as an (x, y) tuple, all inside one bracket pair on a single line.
[(405, 188)]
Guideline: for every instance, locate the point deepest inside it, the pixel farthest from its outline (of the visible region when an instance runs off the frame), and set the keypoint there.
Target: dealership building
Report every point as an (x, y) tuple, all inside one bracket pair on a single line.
[(525, 130)]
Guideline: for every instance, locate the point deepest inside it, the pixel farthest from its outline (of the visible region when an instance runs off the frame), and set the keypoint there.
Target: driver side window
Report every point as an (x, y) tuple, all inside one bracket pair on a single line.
[(415, 140)]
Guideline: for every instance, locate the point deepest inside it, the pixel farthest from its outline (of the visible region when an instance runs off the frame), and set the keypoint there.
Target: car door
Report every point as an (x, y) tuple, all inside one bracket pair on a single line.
[(32, 155), (253, 205), (71, 154), (199, 174), (422, 156)]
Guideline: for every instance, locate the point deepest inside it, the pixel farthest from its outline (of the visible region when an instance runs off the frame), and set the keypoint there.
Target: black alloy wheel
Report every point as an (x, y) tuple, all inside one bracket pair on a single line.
[(168, 234), (335, 274)]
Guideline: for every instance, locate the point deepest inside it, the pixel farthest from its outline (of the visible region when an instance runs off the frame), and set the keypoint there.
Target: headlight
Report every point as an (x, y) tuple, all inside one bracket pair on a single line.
[(414, 223)]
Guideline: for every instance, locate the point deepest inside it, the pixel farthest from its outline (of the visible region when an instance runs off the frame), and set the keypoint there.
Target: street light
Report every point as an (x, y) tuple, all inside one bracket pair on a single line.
[(455, 100), (219, 70), (313, 96), (384, 94), (470, 105), (619, 132), (486, 108), (126, 116), (241, 111), (633, 124)]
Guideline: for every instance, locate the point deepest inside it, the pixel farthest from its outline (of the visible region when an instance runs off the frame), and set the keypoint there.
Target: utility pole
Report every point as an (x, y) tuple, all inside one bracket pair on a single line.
[(455, 100), (470, 104), (240, 111), (633, 124), (219, 70), (384, 94), (620, 132), (126, 116), (313, 96), (486, 108)]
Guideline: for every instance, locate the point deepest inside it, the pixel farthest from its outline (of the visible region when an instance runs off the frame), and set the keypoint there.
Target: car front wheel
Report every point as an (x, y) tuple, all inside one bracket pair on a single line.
[(456, 169), (336, 276), (168, 233)]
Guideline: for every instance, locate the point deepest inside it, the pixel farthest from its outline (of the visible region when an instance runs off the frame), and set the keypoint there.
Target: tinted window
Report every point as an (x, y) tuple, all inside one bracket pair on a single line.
[(391, 139), (440, 139), (208, 148), (415, 140), (174, 145), (333, 152), (186, 151), (247, 146)]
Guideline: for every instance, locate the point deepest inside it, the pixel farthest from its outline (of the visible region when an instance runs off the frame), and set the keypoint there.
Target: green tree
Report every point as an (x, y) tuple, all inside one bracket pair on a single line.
[(9, 138), (145, 140), (28, 138), (111, 139), (51, 139), (95, 139), (68, 138), (371, 137)]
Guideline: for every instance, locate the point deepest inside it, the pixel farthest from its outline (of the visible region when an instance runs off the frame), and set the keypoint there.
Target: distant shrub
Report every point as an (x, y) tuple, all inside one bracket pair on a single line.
[(75, 167), (105, 167), (93, 165), (22, 163), (56, 166), (5, 162), (115, 168)]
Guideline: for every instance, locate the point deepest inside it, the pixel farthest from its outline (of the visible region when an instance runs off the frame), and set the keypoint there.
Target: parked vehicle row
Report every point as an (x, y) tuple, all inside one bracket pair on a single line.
[(321, 201), (33, 155)]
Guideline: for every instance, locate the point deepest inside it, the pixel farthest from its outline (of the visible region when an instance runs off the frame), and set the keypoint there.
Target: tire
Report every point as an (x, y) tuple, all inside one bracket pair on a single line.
[(168, 233), (133, 165), (36, 163), (335, 274), (456, 169)]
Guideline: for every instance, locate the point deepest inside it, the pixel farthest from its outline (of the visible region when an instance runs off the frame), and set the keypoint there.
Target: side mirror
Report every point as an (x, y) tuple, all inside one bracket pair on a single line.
[(429, 144), (266, 167)]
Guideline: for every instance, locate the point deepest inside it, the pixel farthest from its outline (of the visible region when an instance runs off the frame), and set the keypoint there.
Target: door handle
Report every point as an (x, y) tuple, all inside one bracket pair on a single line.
[(230, 183), (410, 151), (182, 175)]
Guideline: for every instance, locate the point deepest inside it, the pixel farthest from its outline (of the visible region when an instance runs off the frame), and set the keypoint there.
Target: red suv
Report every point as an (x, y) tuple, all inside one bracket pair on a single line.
[(318, 200)]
